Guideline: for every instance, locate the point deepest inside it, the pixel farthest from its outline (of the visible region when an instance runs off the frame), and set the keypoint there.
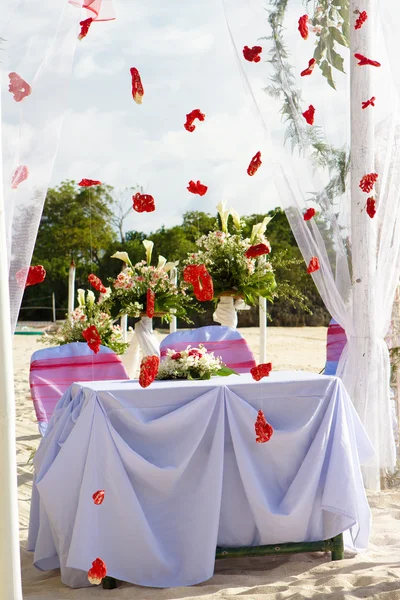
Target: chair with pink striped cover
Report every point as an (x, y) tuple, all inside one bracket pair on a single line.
[(223, 341), (336, 341), (53, 370)]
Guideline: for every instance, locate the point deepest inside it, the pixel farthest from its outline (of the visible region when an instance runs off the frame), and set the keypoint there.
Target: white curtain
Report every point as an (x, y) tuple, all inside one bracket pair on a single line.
[(310, 166)]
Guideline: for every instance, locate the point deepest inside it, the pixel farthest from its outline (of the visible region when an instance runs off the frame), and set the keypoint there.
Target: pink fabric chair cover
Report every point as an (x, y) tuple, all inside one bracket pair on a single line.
[(53, 370), (336, 341), (223, 341)]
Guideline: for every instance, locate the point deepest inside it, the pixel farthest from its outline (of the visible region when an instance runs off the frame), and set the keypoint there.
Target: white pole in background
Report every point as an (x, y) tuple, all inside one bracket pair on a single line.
[(124, 327), (71, 287), (10, 573), (174, 278), (263, 329), (53, 302)]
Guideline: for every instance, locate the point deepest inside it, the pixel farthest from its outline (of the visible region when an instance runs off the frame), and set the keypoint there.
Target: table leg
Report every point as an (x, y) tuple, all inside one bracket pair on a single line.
[(338, 547)]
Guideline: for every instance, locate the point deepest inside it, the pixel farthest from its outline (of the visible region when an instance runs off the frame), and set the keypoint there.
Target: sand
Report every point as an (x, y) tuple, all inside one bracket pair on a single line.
[(374, 574)]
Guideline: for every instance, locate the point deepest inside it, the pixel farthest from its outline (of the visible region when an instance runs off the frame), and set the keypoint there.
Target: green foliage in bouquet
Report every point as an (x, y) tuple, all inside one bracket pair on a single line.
[(129, 291), (89, 312)]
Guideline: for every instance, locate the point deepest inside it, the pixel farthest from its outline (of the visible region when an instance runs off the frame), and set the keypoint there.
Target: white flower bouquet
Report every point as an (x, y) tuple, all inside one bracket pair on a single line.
[(192, 363)]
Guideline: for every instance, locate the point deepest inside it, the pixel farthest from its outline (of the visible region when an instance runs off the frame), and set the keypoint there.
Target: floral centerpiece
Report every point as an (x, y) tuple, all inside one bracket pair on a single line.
[(239, 266), (146, 290), (89, 313), (192, 363)]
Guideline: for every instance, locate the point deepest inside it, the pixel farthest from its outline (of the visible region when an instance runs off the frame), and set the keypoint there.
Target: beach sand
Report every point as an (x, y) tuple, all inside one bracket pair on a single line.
[(374, 574)]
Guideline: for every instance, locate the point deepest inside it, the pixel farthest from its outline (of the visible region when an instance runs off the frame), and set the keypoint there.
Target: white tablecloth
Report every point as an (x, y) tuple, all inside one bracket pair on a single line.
[(182, 473)]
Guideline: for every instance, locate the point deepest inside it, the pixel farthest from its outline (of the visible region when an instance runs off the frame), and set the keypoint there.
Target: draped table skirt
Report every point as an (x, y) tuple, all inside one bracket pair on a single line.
[(182, 473)]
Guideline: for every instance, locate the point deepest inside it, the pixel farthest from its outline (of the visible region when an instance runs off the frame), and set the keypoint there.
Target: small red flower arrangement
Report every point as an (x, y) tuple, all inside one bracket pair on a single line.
[(191, 117), (263, 429), (137, 86), (85, 25), (252, 54), (143, 203), (20, 174), (92, 338), (368, 181), (148, 370), (255, 164), (313, 265), (98, 571), (311, 64), (197, 188), (201, 281), (362, 17), (303, 27), (370, 102), (30, 276), (371, 207), (261, 371), (309, 115), (88, 182), (98, 497), (97, 283), (18, 87), (363, 60), (309, 214), (257, 250)]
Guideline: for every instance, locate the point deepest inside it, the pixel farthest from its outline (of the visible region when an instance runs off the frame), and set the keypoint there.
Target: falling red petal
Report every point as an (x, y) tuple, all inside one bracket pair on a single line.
[(148, 370), (150, 301), (261, 371), (371, 207), (85, 25), (92, 337), (18, 87), (309, 115), (201, 281), (263, 429), (313, 265), (368, 181), (143, 203), (309, 214), (311, 64), (98, 571), (190, 117), (98, 497), (303, 27), (197, 188), (257, 250), (88, 182), (137, 86), (97, 283), (30, 276), (20, 174), (252, 54), (255, 164), (366, 61)]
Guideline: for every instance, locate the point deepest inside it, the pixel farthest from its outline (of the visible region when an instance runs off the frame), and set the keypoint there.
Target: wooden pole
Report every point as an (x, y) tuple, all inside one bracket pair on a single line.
[(53, 302), (10, 574), (71, 287), (363, 229)]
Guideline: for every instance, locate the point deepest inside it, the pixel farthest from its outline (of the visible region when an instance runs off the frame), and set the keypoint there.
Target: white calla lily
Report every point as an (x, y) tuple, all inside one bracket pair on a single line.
[(104, 296), (122, 256), (81, 297), (224, 214), (259, 228), (171, 265), (161, 262), (90, 298), (236, 218), (149, 249)]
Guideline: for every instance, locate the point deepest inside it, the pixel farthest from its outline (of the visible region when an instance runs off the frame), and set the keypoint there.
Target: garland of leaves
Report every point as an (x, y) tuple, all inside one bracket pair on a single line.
[(283, 86)]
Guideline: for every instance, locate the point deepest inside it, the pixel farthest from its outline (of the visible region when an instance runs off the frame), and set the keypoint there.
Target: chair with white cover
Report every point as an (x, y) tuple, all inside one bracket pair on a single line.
[(225, 342), (53, 370)]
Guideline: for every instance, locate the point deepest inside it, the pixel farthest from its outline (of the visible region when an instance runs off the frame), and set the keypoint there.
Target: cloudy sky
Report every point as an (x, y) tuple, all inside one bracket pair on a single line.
[(186, 58)]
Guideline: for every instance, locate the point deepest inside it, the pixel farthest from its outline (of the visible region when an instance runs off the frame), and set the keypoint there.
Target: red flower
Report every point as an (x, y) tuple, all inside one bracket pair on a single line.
[(255, 164), (313, 265), (303, 27), (261, 371), (20, 174), (263, 429), (98, 571), (97, 283), (257, 250), (201, 280), (18, 87), (150, 303), (190, 117), (195, 352), (197, 188), (92, 338), (148, 370), (309, 214), (137, 86), (368, 181), (98, 497), (366, 61), (89, 182), (30, 276), (370, 102), (361, 19), (85, 28), (370, 207), (143, 203), (176, 356), (252, 54), (309, 115), (311, 64)]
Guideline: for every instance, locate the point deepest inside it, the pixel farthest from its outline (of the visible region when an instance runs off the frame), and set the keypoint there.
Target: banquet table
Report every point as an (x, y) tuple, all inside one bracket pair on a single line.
[(182, 474)]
